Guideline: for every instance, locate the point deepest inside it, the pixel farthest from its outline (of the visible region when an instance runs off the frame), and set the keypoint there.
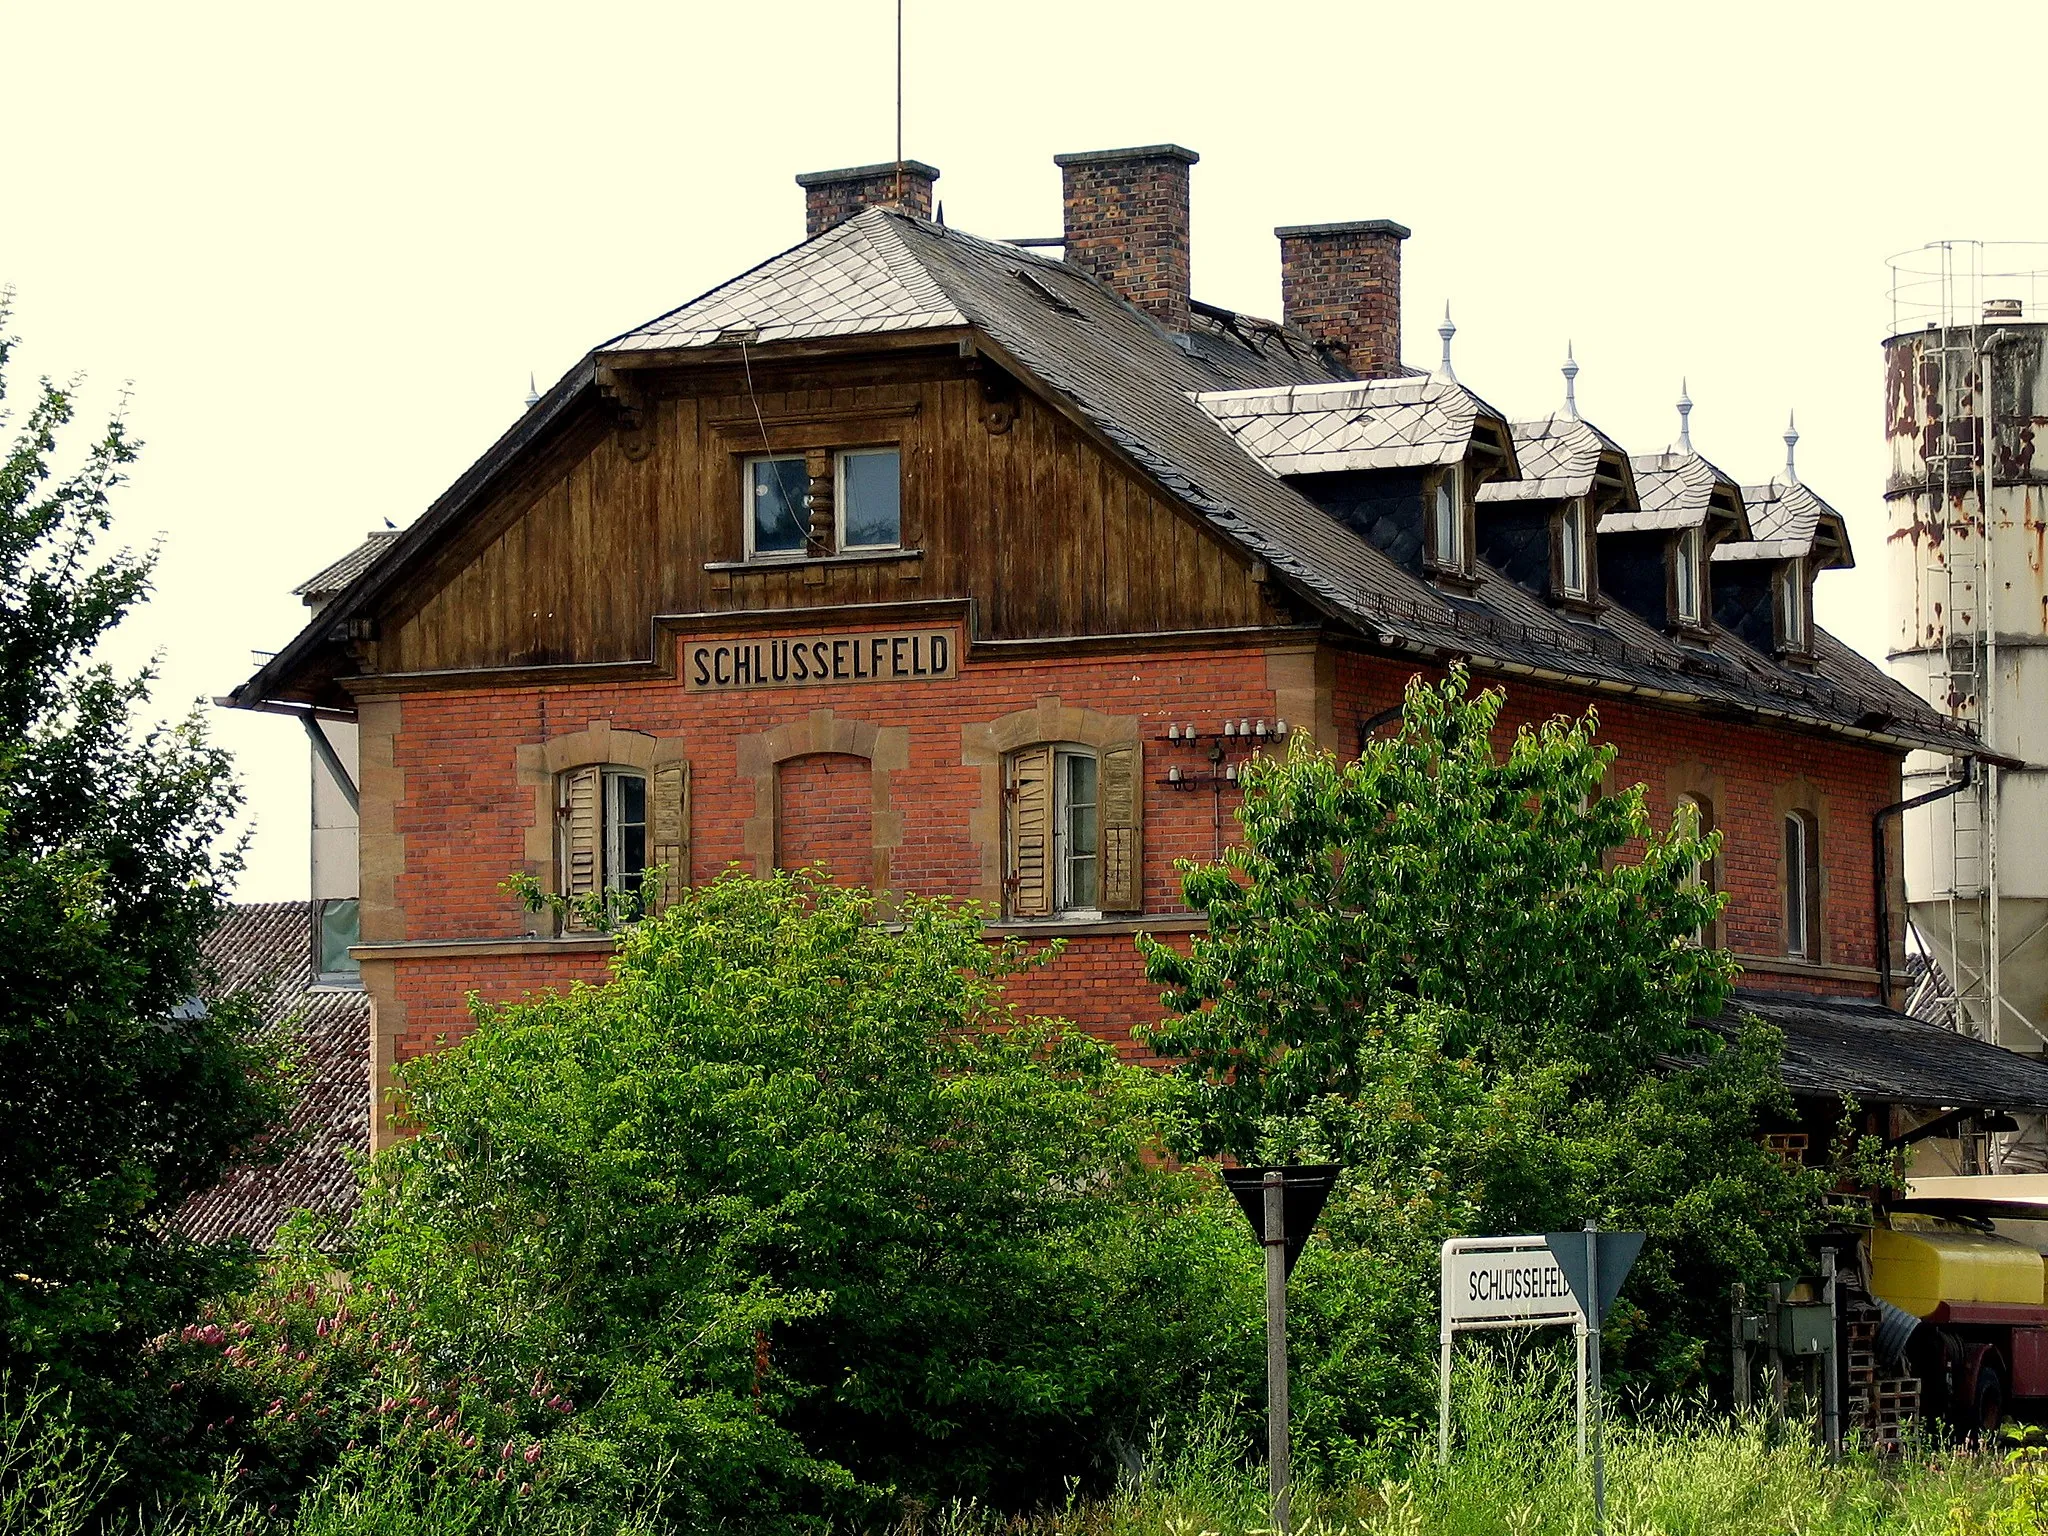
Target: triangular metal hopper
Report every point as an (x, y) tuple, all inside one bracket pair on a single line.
[(1306, 1190)]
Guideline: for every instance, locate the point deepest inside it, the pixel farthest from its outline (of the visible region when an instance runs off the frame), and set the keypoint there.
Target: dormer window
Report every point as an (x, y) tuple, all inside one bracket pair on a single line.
[(1687, 571), (1793, 628), (1571, 549), (1447, 521)]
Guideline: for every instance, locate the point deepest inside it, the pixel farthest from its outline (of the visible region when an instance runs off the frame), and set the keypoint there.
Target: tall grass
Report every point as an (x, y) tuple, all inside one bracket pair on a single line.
[(1671, 1471)]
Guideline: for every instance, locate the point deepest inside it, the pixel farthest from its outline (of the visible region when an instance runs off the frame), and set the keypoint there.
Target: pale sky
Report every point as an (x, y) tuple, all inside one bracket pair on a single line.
[(327, 244)]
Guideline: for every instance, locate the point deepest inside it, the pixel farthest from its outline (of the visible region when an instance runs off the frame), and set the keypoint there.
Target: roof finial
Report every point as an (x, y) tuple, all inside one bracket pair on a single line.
[(1571, 383), (1447, 331), (1791, 443), (1684, 418), (532, 393)]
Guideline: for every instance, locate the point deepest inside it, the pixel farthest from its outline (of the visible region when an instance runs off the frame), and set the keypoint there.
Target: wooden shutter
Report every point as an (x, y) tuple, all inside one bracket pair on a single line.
[(1030, 873), (670, 815), (582, 834), (1122, 802)]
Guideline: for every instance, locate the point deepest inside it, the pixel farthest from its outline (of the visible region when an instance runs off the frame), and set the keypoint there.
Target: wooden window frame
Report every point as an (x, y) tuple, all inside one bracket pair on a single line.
[(764, 556), (1575, 514), (839, 498), (1695, 590), (1794, 604), (1456, 563), (1064, 904)]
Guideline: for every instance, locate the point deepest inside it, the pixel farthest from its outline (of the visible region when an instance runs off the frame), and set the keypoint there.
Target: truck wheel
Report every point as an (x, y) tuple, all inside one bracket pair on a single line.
[(1990, 1411)]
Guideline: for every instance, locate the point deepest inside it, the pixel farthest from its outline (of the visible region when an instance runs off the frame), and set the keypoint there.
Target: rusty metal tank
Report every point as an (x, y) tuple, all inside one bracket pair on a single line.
[(1966, 405)]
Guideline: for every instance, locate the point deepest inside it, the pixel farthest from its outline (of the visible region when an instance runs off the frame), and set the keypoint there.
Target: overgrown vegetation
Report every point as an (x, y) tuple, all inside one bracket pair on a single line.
[(1470, 974), (119, 1096)]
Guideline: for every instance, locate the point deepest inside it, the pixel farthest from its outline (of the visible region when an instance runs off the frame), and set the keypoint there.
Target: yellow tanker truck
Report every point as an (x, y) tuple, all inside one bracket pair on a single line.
[(1962, 1287)]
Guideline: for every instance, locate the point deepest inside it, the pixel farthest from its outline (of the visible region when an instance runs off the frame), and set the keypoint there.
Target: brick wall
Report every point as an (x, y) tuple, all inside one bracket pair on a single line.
[(464, 818), (1127, 223), (826, 814), (1341, 283)]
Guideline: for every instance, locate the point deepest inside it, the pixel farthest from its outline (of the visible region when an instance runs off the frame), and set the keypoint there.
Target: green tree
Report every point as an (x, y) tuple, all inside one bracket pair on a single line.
[(118, 1096), (797, 1208), (1473, 977)]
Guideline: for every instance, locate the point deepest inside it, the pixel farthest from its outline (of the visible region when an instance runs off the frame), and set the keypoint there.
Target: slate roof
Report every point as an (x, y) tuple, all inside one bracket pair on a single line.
[(341, 575), (1304, 429), (1144, 390), (1787, 520), (266, 948), (1673, 490), (854, 279), (1856, 1046), (1558, 457)]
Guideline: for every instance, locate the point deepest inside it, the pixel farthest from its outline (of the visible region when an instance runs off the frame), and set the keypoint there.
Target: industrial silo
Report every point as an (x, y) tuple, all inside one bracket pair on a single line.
[(1966, 395)]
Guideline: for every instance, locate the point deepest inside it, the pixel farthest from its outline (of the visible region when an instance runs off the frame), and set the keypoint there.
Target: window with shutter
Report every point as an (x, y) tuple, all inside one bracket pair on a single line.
[(1122, 800), (1030, 876), (582, 833), (671, 816)]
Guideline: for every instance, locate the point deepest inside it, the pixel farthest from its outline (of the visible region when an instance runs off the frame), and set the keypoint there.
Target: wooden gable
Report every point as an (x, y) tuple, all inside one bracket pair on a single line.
[(1005, 501)]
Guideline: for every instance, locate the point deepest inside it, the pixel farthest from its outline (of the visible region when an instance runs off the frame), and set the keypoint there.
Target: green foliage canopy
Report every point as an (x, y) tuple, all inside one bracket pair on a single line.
[(799, 1208), (119, 1098), (1473, 976)]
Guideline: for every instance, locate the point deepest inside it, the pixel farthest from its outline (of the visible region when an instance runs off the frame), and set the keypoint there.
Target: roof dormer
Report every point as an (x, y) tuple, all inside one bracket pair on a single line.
[(1763, 585), (1659, 556), (1540, 530), (1400, 462)]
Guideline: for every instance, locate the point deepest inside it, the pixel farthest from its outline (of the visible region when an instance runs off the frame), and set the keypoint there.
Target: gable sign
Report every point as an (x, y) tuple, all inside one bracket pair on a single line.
[(806, 661)]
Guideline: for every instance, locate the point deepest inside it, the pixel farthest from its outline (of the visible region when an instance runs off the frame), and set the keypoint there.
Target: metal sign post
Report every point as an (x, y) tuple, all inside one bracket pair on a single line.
[(1533, 1282), (1282, 1205)]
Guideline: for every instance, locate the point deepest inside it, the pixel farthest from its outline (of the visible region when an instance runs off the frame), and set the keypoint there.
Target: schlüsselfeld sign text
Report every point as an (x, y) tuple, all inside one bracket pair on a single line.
[(872, 656), (1502, 1280)]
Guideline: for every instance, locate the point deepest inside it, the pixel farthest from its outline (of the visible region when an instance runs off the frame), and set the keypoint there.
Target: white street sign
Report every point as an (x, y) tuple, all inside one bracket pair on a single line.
[(1504, 1282)]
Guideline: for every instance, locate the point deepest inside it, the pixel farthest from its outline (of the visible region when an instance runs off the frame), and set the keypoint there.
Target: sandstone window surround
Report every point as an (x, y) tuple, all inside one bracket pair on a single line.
[(1056, 779), (584, 826), (760, 758)]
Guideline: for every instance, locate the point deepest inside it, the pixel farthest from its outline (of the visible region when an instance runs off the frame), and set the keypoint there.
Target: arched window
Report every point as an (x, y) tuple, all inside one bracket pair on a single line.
[(1697, 811), (1072, 844), (1802, 886)]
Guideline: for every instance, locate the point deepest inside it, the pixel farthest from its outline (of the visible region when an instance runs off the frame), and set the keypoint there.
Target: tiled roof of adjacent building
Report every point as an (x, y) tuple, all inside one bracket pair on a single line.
[(1144, 389), (339, 576), (265, 948), (1856, 1047)]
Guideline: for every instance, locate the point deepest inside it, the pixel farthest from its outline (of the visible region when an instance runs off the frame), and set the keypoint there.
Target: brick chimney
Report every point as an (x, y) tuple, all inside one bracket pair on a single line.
[(1127, 223), (833, 197), (1341, 283)]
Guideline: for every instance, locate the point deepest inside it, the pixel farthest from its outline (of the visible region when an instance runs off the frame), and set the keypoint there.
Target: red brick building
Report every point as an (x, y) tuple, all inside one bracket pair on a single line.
[(972, 572)]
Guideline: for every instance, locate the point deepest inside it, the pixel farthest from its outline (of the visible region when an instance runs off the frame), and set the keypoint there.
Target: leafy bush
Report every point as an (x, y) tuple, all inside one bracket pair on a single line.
[(795, 1210), (1434, 965)]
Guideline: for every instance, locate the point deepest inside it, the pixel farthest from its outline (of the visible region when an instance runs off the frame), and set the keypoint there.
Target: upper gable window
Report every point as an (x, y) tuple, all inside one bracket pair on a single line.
[(871, 498), (1447, 520), (1792, 618), (784, 492), (778, 505), (1686, 573), (1571, 549)]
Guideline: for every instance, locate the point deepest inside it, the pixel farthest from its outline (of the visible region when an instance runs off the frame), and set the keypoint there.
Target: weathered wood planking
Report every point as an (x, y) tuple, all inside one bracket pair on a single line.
[(1049, 532)]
